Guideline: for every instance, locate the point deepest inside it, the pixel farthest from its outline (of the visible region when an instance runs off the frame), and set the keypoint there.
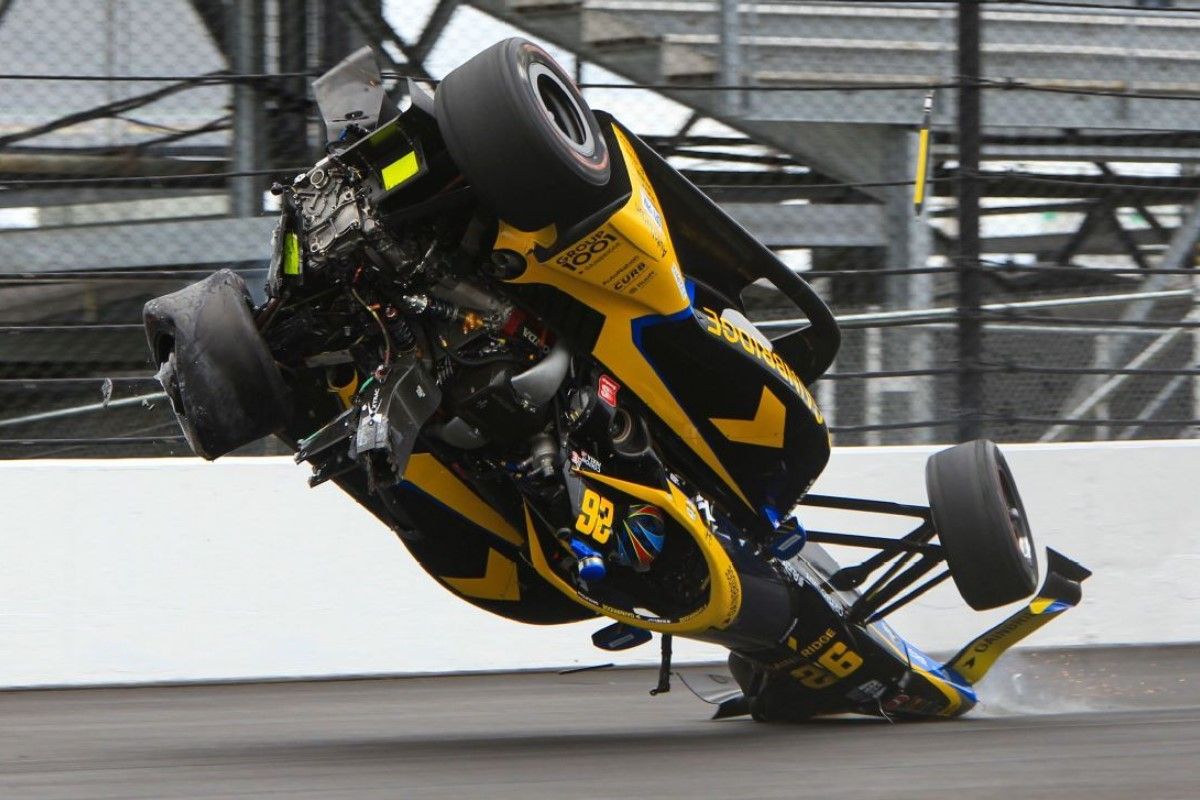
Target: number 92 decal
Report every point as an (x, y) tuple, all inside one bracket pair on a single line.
[(595, 517)]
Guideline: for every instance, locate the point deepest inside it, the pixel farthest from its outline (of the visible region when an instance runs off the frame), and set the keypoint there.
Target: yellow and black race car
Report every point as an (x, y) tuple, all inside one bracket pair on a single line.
[(515, 333)]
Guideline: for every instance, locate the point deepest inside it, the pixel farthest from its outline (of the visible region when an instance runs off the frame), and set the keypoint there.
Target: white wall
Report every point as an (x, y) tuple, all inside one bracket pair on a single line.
[(162, 570)]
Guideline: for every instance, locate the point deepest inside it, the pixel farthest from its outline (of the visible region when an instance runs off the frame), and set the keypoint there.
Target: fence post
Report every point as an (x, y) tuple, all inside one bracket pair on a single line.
[(731, 53), (970, 289), (246, 45)]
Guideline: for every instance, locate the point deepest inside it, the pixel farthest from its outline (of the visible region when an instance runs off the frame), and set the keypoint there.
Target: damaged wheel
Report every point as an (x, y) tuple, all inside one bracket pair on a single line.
[(213, 364), (982, 524)]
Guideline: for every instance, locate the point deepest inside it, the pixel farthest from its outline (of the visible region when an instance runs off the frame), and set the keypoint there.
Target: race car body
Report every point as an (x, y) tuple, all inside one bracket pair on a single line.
[(515, 333)]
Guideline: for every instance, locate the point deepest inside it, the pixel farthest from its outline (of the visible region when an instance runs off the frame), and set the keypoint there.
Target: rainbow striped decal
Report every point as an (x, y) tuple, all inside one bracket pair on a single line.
[(640, 537)]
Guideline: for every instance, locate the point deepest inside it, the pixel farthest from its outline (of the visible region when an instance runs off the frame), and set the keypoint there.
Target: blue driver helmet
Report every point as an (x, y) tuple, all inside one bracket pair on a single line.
[(640, 537)]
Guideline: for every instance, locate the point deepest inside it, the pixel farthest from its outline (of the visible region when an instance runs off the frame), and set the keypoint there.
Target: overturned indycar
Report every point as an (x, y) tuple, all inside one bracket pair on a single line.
[(514, 333)]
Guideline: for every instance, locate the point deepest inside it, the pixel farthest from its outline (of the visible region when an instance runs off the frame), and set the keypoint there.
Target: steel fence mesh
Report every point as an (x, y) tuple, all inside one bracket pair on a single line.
[(144, 165)]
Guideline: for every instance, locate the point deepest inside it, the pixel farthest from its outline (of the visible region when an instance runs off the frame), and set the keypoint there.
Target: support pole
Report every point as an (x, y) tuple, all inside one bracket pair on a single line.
[(731, 53), (909, 243), (1196, 353), (970, 288), (332, 34), (246, 44), (4, 6), (289, 131)]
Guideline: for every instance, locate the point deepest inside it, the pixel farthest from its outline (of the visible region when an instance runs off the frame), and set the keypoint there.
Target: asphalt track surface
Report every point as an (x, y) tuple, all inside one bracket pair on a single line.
[(1099, 724)]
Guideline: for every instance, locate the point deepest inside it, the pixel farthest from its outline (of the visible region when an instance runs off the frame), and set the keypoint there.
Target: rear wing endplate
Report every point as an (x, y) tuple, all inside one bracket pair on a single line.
[(1060, 591)]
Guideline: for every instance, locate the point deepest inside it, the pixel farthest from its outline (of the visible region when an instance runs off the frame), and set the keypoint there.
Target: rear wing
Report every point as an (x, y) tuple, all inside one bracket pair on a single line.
[(1060, 591)]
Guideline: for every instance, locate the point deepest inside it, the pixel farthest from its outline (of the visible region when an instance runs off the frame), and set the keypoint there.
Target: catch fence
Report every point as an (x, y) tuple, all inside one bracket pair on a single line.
[(1044, 287)]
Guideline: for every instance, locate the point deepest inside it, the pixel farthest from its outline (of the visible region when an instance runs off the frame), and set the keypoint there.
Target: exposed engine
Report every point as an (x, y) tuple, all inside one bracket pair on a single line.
[(392, 313), (398, 324), (404, 310)]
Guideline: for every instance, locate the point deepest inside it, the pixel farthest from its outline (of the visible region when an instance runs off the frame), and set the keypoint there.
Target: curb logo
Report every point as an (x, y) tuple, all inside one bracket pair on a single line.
[(626, 279)]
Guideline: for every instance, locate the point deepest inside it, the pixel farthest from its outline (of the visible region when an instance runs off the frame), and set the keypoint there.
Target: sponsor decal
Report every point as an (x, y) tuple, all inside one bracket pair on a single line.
[(631, 276), (679, 281), (865, 692), (724, 329), (607, 388), (635, 279), (622, 283), (592, 248), (793, 574), (822, 640), (654, 221), (735, 596), (531, 336), (652, 214), (905, 702), (619, 613), (584, 460), (1012, 626), (784, 664)]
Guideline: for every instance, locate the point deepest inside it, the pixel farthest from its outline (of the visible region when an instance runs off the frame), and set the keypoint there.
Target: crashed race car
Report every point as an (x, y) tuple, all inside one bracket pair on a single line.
[(514, 333)]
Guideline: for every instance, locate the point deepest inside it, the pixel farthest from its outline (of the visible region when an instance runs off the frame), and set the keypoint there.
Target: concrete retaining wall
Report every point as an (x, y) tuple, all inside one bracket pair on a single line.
[(171, 570)]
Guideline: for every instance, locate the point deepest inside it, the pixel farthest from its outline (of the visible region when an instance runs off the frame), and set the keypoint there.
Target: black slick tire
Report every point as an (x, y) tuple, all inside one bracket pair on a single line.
[(521, 133), (217, 371), (982, 525)]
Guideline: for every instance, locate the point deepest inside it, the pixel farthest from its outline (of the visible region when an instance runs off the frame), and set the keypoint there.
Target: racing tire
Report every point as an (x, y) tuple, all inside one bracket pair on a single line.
[(518, 128), (982, 524), (222, 382)]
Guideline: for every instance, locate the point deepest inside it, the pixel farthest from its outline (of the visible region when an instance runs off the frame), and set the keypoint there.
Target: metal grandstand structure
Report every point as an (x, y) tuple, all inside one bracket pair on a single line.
[(137, 139)]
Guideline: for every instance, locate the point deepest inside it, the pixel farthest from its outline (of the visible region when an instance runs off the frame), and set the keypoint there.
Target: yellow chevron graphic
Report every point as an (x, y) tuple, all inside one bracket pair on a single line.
[(765, 430), (499, 581), (434, 479)]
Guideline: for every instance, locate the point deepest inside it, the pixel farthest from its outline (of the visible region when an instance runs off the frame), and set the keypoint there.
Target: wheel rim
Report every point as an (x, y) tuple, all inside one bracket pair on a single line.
[(1018, 524), (567, 119), (168, 377)]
